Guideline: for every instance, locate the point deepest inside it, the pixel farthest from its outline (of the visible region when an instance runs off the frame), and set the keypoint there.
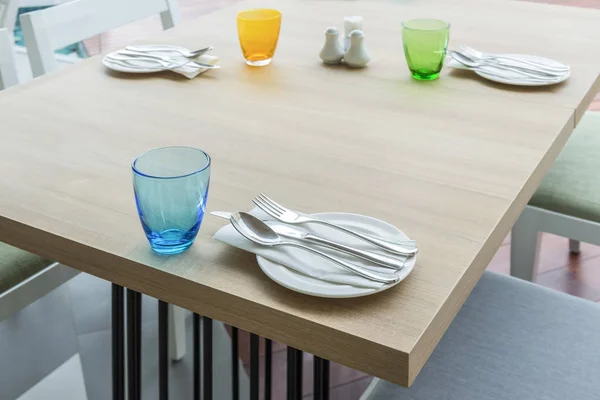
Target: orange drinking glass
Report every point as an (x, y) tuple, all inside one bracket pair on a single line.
[(258, 31)]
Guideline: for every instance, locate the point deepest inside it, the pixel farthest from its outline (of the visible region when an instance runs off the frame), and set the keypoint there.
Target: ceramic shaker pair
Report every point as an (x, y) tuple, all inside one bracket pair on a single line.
[(353, 52)]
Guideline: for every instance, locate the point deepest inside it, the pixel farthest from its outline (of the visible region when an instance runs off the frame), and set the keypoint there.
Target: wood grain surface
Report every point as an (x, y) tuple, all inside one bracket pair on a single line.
[(451, 162)]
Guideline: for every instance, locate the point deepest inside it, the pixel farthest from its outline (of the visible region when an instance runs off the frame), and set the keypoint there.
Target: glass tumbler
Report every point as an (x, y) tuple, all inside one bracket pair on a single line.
[(171, 188), (425, 45), (258, 31)]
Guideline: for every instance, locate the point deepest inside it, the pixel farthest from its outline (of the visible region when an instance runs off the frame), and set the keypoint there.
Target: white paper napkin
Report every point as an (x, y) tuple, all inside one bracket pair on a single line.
[(189, 71), (313, 265)]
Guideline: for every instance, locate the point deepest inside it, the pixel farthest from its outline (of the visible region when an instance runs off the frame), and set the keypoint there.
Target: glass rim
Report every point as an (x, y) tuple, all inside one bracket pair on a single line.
[(446, 24), (276, 14), (140, 173)]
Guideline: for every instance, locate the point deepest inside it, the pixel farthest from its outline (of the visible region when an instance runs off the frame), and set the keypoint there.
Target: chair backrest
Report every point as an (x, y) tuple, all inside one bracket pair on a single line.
[(8, 66), (8, 14), (52, 28)]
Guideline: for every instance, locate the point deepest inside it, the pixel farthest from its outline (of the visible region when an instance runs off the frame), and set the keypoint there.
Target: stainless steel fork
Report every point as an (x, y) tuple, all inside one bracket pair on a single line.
[(289, 216)]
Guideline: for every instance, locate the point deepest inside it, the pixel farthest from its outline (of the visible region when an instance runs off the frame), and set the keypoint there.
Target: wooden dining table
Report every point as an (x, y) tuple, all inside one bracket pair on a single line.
[(451, 162)]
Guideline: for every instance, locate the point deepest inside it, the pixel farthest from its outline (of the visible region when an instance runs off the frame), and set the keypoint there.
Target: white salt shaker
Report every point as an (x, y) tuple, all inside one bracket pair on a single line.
[(356, 56), (332, 51), (351, 24)]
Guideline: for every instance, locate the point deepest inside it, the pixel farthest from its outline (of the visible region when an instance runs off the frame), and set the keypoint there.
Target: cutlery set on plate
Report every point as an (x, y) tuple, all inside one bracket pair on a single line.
[(155, 58), (371, 257), (511, 69)]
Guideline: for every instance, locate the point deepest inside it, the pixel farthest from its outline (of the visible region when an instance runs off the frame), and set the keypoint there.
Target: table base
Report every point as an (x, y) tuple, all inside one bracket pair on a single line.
[(130, 366)]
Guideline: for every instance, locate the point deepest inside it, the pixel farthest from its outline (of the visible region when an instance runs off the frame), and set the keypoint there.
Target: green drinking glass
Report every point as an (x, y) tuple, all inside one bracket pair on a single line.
[(425, 45)]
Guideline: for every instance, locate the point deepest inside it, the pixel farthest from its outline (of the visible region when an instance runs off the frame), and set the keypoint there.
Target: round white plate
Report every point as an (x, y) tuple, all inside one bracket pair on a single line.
[(297, 282), (142, 66), (514, 78)]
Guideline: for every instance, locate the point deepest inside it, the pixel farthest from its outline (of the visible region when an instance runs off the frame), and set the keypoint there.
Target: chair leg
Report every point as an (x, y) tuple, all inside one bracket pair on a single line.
[(574, 246), (524, 246), (176, 332)]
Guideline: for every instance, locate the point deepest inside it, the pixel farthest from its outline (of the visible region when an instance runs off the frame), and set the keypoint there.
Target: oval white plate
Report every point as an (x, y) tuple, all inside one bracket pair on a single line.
[(297, 282), (145, 67), (514, 78)]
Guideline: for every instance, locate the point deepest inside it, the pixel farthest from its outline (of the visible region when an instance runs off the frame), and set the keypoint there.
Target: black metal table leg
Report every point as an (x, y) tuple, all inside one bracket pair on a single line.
[(254, 366), (299, 362), (207, 368), (325, 383), (134, 339), (321, 379), (294, 374), (268, 367), (163, 350), (118, 343), (235, 371), (318, 378), (197, 350), (291, 373)]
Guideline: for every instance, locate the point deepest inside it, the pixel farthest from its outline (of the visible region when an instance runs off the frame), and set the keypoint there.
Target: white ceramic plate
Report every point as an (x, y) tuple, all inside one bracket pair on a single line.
[(514, 78), (298, 282), (140, 67)]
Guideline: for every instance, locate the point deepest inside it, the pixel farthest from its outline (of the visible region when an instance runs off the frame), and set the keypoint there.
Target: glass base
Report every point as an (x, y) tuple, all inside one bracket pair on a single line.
[(425, 74), (172, 241), (259, 63)]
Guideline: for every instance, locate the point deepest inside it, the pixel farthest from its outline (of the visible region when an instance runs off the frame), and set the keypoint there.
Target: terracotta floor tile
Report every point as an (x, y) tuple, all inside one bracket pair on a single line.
[(581, 278), (554, 254)]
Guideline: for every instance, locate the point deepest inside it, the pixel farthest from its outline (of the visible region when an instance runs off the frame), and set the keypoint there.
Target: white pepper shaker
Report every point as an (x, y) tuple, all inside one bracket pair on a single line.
[(332, 51), (351, 24), (356, 56)]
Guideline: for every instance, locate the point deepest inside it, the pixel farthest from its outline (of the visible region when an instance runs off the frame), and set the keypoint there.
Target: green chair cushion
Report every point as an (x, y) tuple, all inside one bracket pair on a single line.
[(572, 187), (17, 265)]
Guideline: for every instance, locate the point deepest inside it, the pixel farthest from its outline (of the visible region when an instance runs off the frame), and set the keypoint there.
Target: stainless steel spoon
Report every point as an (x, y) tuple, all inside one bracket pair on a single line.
[(534, 74), (257, 231), (137, 54), (474, 54), (166, 49)]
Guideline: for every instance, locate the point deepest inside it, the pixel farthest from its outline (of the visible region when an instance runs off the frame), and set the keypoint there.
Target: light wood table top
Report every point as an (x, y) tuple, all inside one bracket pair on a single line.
[(451, 162)]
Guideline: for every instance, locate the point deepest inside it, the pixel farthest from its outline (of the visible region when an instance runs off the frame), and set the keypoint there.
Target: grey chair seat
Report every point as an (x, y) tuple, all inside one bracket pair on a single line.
[(572, 186), (17, 265), (512, 340)]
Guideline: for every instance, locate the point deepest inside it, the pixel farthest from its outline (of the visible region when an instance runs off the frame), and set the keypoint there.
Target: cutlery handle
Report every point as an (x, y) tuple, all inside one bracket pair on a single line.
[(520, 70), (166, 59), (379, 259), (523, 69), (527, 62), (391, 247), (365, 273)]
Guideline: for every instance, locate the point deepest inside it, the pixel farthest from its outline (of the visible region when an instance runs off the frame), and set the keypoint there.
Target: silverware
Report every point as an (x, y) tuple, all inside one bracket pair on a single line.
[(475, 54), (257, 231), (292, 233), (137, 54), (288, 216), (465, 60), (133, 62), (157, 48)]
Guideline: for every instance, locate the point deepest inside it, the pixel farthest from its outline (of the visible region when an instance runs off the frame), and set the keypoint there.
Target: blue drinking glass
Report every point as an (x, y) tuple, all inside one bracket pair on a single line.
[(171, 188)]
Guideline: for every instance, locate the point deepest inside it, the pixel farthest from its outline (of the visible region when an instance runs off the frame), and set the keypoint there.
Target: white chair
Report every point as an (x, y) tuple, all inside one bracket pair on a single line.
[(8, 66), (47, 30), (567, 203), (8, 14), (24, 277), (511, 340)]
